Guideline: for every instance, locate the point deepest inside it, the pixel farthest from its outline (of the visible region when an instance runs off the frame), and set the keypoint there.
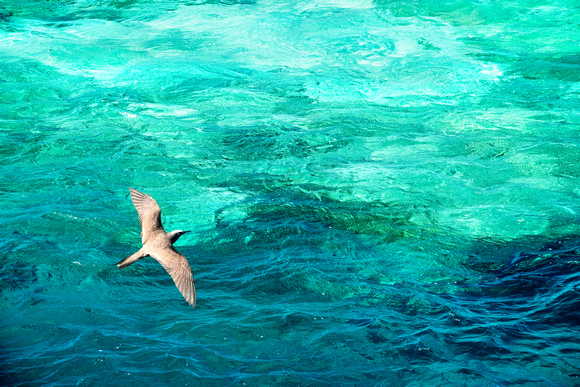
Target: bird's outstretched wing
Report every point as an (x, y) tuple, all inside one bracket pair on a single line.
[(178, 268), (149, 213)]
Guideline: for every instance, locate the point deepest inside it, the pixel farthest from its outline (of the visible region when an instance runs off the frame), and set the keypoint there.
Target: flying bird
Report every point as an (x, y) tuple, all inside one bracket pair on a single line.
[(158, 244)]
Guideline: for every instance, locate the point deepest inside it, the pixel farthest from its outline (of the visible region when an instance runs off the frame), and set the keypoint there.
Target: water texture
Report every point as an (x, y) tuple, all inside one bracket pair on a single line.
[(380, 192)]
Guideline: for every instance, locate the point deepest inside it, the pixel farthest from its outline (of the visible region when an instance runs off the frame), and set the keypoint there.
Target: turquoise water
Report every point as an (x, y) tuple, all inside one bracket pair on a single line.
[(380, 192)]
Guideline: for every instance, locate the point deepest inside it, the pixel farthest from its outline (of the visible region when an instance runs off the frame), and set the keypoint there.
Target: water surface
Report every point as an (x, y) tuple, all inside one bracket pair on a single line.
[(379, 192)]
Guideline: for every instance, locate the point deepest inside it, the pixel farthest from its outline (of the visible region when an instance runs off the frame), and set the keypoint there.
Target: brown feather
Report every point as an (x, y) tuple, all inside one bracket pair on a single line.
[(158, 244), (149, 213), (178, 268)]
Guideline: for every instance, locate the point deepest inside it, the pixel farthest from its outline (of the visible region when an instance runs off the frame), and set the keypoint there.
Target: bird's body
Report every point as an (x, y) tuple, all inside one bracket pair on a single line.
[(158, 244)]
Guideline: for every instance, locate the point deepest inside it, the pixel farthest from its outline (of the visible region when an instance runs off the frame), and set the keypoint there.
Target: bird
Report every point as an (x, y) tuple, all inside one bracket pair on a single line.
[(158, 244)]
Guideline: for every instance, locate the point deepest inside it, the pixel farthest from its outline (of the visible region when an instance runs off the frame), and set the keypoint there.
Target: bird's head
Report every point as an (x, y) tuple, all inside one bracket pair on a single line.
[(174, 235)]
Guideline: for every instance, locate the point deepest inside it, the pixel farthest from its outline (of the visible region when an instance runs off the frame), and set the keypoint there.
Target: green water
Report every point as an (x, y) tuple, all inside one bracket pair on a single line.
[(379, 192)]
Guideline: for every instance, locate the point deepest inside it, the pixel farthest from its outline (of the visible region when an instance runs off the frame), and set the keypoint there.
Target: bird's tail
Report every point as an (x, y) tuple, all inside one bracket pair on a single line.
[(131, 259)]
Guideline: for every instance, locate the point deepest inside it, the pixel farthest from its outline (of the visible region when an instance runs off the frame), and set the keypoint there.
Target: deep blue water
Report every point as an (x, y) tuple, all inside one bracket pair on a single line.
[(380, 192)]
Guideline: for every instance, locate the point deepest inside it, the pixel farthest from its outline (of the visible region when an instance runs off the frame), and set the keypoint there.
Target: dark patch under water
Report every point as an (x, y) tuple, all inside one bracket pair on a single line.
[(380, 193)]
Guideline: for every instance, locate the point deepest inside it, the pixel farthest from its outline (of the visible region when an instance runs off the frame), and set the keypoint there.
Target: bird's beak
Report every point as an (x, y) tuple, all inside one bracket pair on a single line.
[(185, 232)]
